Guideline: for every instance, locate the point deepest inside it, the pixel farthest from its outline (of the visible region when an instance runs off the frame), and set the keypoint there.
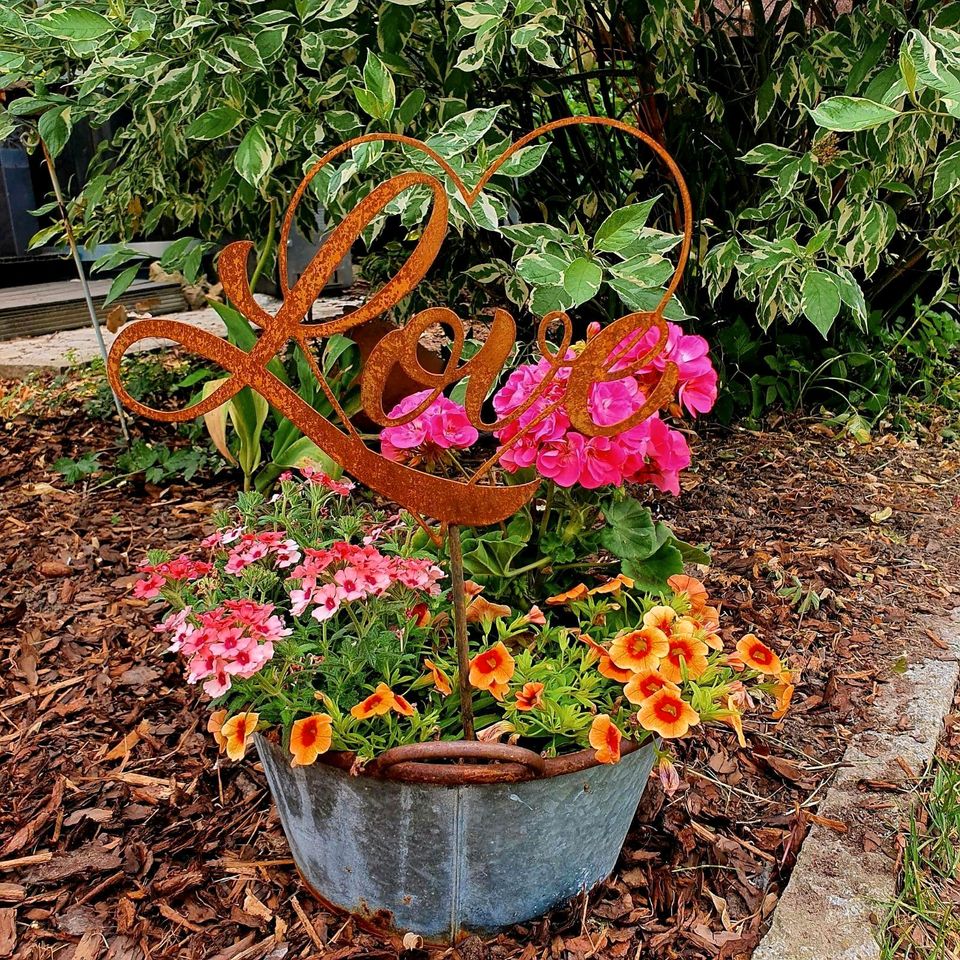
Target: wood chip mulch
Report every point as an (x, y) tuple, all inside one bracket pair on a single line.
[(123, 836)]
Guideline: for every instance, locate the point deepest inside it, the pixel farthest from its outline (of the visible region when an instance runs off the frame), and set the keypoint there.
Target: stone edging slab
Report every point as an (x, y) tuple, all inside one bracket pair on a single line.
[(828, 908)]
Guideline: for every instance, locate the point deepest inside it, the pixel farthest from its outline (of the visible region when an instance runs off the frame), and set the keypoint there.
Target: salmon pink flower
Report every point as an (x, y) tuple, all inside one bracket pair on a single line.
[(236, 733), (534, 616), (327, 599), (693, 589), (148, 587), (645, 684), (684, 653), (481, 610), (381, 701), (579, 592), (215, 725), (309, 737), (613, 586), (493, 666), (755, 654), (639, 649), (530, 696), (605, 739), (440, 680), (660, 617), (667, 714)]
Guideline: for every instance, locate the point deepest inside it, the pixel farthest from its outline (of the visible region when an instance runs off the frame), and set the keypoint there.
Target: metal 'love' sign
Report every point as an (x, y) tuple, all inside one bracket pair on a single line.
[(468, 502)]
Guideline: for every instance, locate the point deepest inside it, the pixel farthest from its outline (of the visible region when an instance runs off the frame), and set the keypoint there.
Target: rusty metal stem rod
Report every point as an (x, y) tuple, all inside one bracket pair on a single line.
[(85, 286), (459, 591)]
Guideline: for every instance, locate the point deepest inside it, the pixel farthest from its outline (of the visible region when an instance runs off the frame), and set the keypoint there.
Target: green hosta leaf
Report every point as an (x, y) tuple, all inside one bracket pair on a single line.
[(852, 113), (75, 23), (820, 299), (946, 174), (214, 123), (253, 157), (582, 279), (623, 226)]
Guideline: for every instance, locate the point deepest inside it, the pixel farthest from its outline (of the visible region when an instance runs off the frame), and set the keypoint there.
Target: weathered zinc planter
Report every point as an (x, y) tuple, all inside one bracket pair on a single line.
[(414, 844)]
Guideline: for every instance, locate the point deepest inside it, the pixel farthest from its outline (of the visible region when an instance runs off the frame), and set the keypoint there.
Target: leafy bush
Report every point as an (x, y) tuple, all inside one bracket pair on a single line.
[(819, 146)]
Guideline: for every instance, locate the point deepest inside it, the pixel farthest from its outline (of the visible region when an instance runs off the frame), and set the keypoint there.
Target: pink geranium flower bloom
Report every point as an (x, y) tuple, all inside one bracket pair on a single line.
[(443, 425), (562, 460)]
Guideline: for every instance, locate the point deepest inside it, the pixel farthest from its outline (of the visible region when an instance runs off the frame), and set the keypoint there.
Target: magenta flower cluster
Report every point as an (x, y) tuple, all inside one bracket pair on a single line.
[(345, 572), (442, 426), (648, 452)]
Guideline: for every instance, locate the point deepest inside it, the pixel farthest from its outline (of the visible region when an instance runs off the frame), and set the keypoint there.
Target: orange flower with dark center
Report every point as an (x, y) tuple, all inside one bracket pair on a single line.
[(215, 725), (379, 702), (492, 668), (690, 652), (605, 739), (613, 586), (420, 614), (667, 714), (696, 592), (403, 706), (660, 617), (440, 680), (530, 696), (606, 666), (579, 592), (236, 733), (754, 653), (638, 650), (309, 737), (645, 684), (481, 610)]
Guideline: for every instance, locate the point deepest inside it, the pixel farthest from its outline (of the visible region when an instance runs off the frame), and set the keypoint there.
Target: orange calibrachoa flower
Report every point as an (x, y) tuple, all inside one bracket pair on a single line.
[(613, 586), (733, 718), (403, 706), (498, 690), (606, 666), (491, 669), (309, 737), (379, 702), (645, 684), (696, 592), (605, 739), (534, 617), (236, 733), (481, 610), (579, 592), (215, 725), (530, 696), (668, 714), (783, 691), (754, 653), (692, 652), (440, 680), (639, 649), (660, 617)]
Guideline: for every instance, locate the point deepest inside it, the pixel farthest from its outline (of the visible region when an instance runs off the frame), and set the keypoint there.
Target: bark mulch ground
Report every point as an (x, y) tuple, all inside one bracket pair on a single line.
[(123, 836)]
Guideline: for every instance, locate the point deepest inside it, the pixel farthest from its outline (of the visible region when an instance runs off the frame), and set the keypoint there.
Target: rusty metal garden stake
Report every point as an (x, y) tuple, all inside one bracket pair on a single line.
[(459, 590)]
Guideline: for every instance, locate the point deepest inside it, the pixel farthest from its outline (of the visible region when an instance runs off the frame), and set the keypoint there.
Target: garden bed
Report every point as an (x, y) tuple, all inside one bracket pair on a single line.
[(123, 836)]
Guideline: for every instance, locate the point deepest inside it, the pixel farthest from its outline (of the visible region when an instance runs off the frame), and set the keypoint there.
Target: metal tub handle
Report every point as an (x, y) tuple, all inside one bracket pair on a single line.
[(423, 763)]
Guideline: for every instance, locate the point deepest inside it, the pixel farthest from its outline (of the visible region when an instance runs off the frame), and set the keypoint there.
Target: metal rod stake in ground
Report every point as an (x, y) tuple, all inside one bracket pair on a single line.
[(460, 628), (91, 309)]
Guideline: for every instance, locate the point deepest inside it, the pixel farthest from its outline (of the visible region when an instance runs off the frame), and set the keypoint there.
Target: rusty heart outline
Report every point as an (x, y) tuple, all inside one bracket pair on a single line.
[(464, 503)]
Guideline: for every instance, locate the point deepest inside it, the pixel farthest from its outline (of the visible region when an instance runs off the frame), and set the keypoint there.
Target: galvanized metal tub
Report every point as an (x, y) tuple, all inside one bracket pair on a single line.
[(447, 850)]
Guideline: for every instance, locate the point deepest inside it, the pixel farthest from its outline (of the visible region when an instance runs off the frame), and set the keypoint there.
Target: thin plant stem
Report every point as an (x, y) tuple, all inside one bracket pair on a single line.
[(459, 590)]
